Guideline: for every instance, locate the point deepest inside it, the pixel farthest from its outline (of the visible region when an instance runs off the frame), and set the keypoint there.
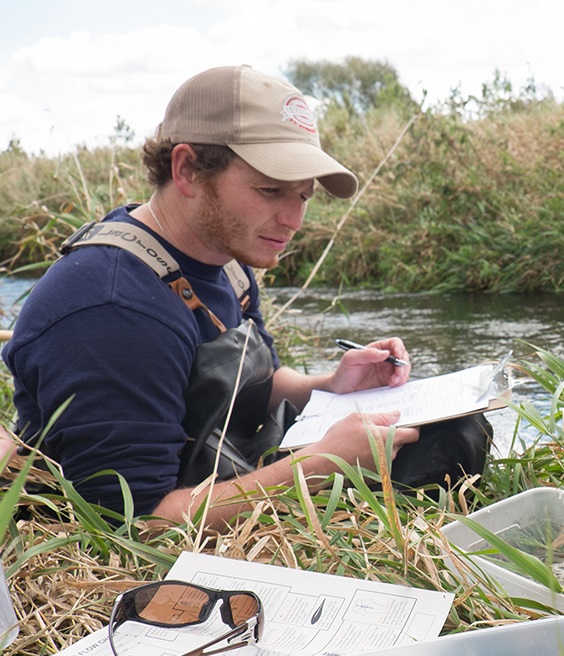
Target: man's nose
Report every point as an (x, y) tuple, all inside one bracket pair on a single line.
[(292, 214)]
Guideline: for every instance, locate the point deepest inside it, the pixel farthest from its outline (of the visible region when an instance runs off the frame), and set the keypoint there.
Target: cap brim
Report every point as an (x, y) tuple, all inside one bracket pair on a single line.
[(291, 161)]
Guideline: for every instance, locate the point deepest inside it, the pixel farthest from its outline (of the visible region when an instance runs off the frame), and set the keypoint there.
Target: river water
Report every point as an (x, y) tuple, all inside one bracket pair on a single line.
[(443, 333)]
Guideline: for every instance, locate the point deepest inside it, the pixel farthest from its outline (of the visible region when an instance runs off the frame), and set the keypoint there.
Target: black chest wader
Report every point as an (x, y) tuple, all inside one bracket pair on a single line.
[(216, 372), (237, 352)]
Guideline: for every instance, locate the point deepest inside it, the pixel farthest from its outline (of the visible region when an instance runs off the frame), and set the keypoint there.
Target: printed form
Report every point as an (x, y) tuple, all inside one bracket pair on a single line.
[(305, 612), (419, 401)]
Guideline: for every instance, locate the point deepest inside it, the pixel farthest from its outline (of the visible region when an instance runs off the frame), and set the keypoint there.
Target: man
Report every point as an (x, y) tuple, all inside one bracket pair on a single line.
[(150, 362)]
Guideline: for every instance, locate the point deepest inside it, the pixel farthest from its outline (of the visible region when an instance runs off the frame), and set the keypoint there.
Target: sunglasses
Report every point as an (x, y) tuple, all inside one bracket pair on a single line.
[(175, 604)]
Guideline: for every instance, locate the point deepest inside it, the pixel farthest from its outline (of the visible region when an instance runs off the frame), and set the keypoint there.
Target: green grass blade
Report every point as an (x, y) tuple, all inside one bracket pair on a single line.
[(334, 499), (11, 497)]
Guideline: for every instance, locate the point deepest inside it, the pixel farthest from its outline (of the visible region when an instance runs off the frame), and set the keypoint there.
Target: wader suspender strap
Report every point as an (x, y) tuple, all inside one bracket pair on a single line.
[(141, 244)]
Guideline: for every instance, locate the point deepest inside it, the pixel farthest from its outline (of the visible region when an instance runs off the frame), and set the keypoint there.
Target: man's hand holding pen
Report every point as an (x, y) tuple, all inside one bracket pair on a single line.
[(377, 364)]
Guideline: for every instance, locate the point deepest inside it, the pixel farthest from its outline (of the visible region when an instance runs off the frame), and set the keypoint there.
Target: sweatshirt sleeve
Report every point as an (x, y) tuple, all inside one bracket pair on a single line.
[(126, 373)]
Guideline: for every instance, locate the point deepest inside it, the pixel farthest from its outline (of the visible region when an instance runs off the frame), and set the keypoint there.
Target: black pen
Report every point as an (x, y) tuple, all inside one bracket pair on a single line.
[(347, 345)]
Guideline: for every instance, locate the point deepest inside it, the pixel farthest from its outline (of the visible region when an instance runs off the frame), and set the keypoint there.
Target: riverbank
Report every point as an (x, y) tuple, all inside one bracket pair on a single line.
[(457, 203)]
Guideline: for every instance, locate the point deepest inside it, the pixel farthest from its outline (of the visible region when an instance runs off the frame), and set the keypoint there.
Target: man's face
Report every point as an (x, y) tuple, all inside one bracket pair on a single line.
[(243, 214)]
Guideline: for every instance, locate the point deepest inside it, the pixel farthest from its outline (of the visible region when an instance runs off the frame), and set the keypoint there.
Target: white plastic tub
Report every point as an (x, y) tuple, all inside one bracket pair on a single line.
[(8, 621), (527, 638), (535, 512)]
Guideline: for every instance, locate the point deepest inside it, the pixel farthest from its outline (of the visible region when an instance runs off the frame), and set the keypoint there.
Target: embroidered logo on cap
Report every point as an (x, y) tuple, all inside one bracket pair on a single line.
[(296, 110)]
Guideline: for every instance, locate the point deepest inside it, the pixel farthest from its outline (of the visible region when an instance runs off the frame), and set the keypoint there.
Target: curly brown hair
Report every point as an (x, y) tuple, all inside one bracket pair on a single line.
[(210, 160)]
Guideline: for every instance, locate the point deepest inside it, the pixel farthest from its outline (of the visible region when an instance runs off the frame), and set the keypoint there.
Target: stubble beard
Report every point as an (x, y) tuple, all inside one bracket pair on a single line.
[(224, 231)]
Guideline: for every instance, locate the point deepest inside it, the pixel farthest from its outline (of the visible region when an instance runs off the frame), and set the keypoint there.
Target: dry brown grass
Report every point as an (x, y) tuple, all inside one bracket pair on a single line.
[(67, 591)]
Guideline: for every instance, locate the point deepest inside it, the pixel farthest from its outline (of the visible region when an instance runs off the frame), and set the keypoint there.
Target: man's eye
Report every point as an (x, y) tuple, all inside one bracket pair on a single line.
[(269, 191)]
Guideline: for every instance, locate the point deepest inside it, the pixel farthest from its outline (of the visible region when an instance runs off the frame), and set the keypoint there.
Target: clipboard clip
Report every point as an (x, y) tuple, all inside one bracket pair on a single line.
[(498, 381)]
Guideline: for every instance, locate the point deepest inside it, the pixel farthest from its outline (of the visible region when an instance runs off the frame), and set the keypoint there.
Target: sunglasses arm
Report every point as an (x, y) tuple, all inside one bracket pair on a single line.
[(245, 631)]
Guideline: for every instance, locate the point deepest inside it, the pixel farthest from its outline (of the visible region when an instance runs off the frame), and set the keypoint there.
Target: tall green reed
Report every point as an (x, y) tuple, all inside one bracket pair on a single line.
[(463, 204)]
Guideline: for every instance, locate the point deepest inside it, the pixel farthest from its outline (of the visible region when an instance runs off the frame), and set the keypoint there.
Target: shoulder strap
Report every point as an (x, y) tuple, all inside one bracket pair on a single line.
[(126, 236), (146, 248), (239, 281), (141, 244)]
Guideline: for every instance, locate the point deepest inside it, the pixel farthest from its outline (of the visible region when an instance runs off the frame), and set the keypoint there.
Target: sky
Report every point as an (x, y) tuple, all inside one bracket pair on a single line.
[(70, 68)]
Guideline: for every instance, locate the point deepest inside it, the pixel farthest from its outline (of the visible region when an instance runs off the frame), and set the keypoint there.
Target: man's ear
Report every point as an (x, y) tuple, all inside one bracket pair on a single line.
[(183, 174)]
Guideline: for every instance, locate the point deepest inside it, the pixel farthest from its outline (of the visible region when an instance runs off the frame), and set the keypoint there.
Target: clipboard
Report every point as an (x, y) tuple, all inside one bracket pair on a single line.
[(482, 388)]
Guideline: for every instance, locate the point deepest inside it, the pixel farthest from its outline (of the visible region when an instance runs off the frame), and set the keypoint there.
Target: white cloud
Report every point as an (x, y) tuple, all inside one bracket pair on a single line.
[(73, 88), (68, 89)]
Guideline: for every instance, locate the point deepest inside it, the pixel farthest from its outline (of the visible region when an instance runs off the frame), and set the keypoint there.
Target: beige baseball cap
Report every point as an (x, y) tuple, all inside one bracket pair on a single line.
[(264, 120)]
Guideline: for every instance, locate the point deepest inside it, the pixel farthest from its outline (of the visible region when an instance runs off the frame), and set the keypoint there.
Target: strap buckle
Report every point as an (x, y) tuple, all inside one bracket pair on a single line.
[(67, 245)]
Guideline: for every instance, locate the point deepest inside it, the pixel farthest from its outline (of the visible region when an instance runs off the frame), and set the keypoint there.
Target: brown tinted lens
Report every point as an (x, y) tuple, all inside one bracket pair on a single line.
[(243, 607), (173, 604)]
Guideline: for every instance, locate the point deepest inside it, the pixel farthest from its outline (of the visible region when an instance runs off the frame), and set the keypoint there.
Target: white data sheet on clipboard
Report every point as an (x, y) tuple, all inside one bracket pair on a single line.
[(468, 391)]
